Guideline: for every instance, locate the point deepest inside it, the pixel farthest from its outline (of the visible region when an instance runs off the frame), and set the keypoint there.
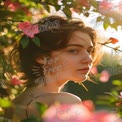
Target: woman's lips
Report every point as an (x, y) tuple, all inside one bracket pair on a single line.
[(84, 70)]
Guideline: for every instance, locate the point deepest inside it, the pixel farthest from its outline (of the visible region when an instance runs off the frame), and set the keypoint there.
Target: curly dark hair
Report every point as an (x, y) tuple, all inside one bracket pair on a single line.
[(55, 32)]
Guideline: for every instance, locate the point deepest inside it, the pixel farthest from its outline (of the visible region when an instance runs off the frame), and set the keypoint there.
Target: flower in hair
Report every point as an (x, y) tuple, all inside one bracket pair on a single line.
[(29, 29), (15, 80)]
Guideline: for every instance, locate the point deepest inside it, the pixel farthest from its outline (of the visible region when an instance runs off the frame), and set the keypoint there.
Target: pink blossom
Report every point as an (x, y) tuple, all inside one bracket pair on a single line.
[(77, 113), (119, 6), (105, 6), (12, 6), (28, 29), (67, 113), (89, 104), (94, 70), (104, 116), (104, 77), (15, 80)]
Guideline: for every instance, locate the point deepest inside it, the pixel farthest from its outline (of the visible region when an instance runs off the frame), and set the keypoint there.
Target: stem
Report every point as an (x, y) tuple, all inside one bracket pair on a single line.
[(110, 47)]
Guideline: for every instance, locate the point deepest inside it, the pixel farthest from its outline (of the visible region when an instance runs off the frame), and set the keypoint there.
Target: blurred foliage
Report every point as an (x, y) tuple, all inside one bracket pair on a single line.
[(113, 98), (41, 109), (14, 11)]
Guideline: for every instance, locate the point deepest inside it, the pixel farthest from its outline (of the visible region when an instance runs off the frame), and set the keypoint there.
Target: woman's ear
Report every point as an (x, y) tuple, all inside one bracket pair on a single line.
[(42, 60)]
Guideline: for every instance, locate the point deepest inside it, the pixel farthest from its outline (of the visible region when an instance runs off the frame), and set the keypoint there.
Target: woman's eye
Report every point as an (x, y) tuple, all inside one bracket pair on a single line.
[(73, 51)]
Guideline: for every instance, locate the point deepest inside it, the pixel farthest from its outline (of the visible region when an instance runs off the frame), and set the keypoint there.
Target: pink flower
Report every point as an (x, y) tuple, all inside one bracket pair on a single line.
[(76, 113), (104, 76), (15, 80), (28, 29), (94, 70), (104, 116), (67, 113), (89, 104), (12, 6), (119, 7), (105, 6)]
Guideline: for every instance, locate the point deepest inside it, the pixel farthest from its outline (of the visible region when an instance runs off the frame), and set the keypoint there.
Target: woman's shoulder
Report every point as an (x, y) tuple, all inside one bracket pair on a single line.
[(65, 97), (49, 98), (61, 97)]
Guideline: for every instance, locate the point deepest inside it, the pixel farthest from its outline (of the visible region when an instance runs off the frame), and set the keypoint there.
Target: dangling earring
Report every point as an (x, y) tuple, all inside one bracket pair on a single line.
[(38, 75)]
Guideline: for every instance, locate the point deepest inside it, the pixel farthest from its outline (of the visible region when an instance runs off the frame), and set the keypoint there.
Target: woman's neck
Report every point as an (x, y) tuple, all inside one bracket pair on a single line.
[(48, 88), (52, 85), (40, 89)]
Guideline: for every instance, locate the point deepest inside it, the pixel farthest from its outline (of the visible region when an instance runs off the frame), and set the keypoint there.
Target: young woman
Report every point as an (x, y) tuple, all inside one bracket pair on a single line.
[(67, 52)]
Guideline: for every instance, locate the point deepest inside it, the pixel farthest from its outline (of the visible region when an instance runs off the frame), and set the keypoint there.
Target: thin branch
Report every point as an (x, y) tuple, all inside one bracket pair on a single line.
[(110, 47)]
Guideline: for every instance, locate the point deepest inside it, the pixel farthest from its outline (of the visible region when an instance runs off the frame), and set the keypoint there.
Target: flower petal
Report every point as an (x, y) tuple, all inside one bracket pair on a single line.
[(113, 40), (104, 76), (28, 29)]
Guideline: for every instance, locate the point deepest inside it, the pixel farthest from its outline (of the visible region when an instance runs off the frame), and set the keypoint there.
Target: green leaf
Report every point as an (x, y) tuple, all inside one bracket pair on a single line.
[(36, 1), (67, 12), (57, 7), (3, 40), (52, 2), (41, 107), (47, 7), (24, 41), (36, 41), (94, 3), (114, 25), (105, 25), (99, 19), (107, 20), (5, 103), (117, 82)]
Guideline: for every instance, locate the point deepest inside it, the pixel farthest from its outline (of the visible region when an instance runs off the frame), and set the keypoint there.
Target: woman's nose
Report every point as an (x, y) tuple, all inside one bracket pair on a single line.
[(87, 58)]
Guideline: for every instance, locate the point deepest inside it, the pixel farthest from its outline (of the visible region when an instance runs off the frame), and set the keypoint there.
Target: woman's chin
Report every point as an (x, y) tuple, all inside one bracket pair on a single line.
[(80, 79)]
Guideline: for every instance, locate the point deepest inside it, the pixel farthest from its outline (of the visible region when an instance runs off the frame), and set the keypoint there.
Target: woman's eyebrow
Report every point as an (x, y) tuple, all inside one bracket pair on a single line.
[(78, 45)]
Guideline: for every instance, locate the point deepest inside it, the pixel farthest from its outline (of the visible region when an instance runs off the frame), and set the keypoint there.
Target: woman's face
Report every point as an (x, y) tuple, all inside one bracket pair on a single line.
[(73, 62)]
